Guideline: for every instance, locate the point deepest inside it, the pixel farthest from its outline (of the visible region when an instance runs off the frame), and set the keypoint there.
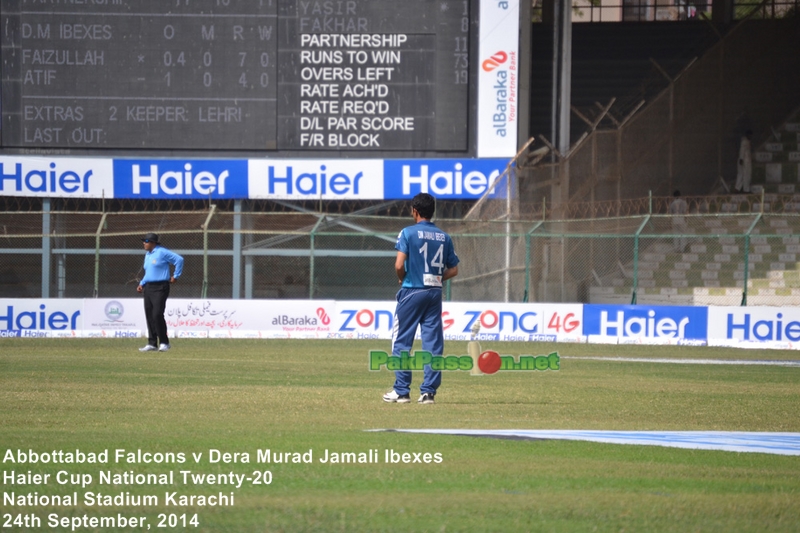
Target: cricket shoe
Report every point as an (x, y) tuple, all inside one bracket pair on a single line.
[(393, 397), (163, 348), (148, 348), (426, 398)]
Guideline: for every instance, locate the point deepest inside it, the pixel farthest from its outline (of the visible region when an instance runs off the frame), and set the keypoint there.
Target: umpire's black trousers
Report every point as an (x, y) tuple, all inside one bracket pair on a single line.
[(155, 302)]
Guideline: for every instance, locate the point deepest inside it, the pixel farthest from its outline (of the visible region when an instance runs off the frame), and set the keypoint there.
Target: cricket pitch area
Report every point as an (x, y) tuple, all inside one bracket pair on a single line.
[(221, 404)]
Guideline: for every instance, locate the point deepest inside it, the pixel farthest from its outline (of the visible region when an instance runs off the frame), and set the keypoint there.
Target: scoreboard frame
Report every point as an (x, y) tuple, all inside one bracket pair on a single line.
[(475, 121)]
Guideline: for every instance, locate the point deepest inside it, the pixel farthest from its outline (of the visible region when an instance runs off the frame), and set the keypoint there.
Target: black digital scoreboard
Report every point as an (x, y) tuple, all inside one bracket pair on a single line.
[(252, 75)]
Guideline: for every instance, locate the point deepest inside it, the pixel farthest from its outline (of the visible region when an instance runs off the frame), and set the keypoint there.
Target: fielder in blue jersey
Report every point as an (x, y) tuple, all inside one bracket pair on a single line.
[(425, 259)]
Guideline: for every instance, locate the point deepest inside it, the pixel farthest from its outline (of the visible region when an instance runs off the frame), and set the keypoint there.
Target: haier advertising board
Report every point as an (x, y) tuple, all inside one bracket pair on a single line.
[(754, 327), (178, 179), (40, 317), (643, 324), (64, 177), (445, 179)]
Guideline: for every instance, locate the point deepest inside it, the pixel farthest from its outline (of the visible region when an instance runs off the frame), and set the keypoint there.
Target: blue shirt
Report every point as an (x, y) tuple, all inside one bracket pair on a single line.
[(157, 262), (429, 252)]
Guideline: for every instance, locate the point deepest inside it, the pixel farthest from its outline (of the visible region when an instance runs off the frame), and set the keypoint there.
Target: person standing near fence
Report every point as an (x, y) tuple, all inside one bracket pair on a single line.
[(678, 209), (744, 173), (425, 259), (155, 287)]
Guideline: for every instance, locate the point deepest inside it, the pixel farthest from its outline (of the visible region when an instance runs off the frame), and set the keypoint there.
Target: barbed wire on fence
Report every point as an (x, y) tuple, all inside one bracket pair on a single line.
[(24, 204), (311, 255), (712, 204)]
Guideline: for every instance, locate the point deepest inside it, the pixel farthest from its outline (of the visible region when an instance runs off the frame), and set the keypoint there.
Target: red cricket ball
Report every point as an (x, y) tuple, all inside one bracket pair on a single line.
[(489, 362)]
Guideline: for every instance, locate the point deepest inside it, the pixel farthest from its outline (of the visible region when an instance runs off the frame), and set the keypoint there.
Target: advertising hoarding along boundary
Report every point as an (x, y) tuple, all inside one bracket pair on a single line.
[(285, 179), (66, 177), (742, 327), (498, 79), (754, 327), (643, 324)]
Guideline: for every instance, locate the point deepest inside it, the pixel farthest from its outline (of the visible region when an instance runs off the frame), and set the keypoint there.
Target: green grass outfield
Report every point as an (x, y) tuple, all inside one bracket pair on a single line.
[(296, 396)]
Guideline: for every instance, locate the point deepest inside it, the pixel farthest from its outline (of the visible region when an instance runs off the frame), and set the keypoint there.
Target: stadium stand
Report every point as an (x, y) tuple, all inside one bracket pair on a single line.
[(709, 269)]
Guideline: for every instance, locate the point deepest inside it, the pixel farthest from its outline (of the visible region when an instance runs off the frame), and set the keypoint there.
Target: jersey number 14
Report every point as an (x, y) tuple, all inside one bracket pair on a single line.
[(428, 278)]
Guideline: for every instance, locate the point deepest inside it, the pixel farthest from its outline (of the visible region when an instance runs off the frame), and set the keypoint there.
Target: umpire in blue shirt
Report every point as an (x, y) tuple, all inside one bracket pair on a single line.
[(155, 286), (425, 259)]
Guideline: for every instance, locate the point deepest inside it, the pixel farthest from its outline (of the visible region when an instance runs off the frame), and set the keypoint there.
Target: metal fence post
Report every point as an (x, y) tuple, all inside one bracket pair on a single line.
[(528, 256), (236, 282), (97, 255), (46, 247), (527, 267), (311, 275), (746, 268), (747, 254), (636, 258), (311, 266), (204, 292)]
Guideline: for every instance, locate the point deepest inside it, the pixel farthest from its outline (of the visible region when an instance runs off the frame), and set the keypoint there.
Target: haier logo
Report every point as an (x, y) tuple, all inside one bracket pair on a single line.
[(648, 322), (44, 180), (445, 179), (87, 178), (180, 179), (284, 181), (178, 183), (748, 327), (332, 180), (37, 320)]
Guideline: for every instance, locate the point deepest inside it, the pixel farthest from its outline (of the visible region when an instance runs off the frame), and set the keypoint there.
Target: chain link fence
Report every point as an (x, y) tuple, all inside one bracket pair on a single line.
[(686, 137), (697, 258), (693, 259)]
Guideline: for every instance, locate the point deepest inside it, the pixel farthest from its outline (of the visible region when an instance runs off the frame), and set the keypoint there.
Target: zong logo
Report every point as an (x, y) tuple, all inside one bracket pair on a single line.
[(489, 319), (366, 318), (497, 59)]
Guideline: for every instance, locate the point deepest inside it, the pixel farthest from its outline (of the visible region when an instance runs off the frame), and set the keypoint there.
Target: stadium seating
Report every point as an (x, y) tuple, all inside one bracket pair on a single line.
[(710, 268), (776, 165)]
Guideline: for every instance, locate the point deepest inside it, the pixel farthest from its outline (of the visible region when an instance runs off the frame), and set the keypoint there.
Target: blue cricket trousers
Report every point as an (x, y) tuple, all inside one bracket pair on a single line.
[(423, 308)]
